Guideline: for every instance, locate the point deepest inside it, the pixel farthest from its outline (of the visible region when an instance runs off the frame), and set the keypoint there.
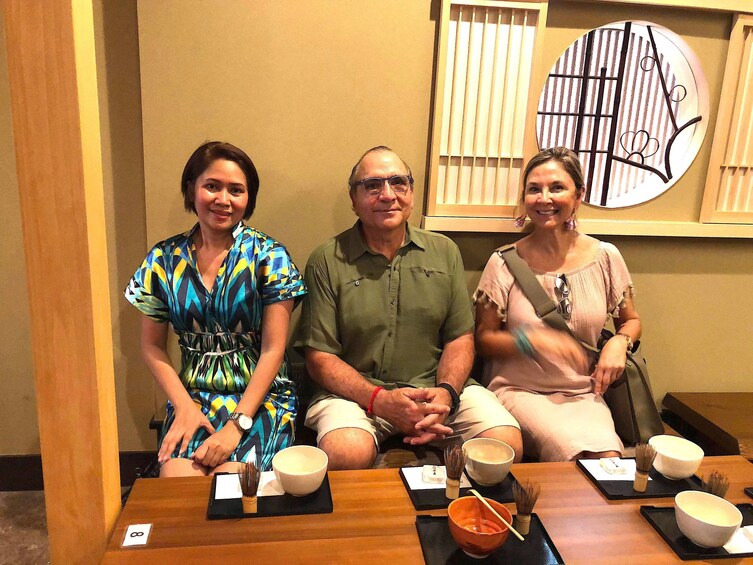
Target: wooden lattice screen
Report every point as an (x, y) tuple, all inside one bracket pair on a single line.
[(729, 184), (484, 113)]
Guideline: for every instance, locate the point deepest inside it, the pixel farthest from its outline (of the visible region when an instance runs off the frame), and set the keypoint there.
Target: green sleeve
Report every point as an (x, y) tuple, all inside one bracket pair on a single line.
[(459, 319), (318, 325)]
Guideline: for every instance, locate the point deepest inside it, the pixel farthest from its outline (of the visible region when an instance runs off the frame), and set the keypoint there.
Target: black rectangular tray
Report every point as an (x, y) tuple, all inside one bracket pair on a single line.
[(439, 548), (318, 502), (663, 520), (434, 498), (658, 487), (749, 491)]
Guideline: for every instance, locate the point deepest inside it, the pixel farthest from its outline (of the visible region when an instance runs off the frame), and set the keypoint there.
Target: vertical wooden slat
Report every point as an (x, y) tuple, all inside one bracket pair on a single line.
[(492, 91), (726, 193), (736, 195), (739, 126), (435, 188), (747, 100), (505, 82), (515, 123), (478, 107), (452, 103), (464, 113), (53, 93)]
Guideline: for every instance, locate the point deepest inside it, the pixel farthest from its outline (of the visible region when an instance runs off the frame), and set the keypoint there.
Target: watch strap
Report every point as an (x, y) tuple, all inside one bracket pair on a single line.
[(235, 419), (453, 395)]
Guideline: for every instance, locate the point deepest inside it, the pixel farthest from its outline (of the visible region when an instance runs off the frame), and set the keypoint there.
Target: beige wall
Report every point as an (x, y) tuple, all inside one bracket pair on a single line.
[(123, 167), (305, 87), (18, 426)]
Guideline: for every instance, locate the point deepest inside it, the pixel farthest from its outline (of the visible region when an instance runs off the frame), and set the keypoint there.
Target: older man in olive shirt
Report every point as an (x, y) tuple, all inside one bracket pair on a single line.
[(387, 329)]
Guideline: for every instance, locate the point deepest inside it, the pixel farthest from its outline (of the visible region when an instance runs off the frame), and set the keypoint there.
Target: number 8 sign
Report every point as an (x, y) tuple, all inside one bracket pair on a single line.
[(136, 534)]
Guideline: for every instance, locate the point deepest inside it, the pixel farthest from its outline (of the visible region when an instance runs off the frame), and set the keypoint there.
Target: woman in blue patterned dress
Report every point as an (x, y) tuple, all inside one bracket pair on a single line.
[(228, 290)]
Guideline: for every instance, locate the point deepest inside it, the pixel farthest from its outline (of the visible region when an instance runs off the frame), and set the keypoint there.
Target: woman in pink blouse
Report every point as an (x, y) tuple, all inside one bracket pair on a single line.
[(545, 378)]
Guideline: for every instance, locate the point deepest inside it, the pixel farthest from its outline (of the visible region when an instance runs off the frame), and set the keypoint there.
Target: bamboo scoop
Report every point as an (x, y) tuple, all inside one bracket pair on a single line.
[(475, 493)]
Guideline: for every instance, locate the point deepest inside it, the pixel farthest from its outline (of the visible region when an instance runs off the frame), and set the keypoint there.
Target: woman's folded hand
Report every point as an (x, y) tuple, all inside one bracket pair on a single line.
[(218, 447), (611, 364)]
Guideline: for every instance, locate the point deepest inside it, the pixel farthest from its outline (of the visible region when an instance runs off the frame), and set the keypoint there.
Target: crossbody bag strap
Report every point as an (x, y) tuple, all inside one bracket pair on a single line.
[(545, 307), (528, 282)]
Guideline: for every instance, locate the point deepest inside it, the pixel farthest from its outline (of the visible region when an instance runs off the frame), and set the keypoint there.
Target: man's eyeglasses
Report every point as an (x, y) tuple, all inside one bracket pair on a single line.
[(400, 184), (562, 289)]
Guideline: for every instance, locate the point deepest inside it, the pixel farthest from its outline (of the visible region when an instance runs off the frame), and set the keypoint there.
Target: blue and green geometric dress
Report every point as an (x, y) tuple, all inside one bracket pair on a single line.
[(219, 331)]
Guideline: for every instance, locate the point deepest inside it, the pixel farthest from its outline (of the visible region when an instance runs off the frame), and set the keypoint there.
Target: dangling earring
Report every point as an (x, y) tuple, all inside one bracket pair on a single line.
[(571, 223), (520, 221)]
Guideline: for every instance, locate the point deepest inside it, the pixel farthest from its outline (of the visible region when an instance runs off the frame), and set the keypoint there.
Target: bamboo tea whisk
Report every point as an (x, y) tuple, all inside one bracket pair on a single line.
[(644, 458), (249, 478), (454, 462), (525, 494), (717, 484)]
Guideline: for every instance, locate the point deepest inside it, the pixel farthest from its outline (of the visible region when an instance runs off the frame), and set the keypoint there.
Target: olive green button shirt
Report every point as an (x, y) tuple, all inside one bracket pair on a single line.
[(388, 320)]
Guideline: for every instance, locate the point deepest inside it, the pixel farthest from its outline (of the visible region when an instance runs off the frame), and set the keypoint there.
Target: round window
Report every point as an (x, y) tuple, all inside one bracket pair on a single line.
[(631, 100)]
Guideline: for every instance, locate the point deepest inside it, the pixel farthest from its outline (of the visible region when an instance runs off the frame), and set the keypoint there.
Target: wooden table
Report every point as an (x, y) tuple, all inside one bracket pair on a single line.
[(374, 521), (720, 422)]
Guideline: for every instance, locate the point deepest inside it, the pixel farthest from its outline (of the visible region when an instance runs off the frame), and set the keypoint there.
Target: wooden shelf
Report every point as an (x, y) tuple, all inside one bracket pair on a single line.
[(718, 5), (724, 419), (652, 228)]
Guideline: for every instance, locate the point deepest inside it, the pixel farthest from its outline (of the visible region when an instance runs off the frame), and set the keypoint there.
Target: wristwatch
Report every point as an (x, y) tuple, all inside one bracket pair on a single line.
[(453, 395), (241, 421)]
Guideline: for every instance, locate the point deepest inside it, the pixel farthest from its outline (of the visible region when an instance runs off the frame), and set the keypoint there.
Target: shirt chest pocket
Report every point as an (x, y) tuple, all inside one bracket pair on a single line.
[(427, 292), (361, 297)]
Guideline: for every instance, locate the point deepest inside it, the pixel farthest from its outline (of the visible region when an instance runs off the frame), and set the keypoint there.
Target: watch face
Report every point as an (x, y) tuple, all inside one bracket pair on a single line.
[(245, 422)]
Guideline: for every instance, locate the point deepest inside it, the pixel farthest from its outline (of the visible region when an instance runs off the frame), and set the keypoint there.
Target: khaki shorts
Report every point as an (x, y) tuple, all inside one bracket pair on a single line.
[(479, 410)]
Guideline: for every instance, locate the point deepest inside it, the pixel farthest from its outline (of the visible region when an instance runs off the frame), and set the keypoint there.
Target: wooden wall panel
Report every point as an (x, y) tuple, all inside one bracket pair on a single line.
[(729, 184), (53, 88), (483, 93), (459, 181)]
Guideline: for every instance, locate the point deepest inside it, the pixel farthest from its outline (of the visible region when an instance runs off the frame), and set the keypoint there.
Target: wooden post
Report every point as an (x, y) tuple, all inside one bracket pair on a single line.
[(53, 92)]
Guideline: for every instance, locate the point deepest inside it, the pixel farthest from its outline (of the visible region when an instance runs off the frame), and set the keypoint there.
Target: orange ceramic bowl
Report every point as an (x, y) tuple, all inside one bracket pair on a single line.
[(474, 528)]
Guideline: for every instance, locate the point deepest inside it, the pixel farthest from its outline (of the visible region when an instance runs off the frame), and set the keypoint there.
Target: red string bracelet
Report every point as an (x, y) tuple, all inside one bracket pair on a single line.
[(370, 409)]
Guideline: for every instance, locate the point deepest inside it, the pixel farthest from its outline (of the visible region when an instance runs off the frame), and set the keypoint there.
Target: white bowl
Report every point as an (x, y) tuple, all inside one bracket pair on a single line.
[(676, 457), (488, 460), (300, 469), (707, 520)]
